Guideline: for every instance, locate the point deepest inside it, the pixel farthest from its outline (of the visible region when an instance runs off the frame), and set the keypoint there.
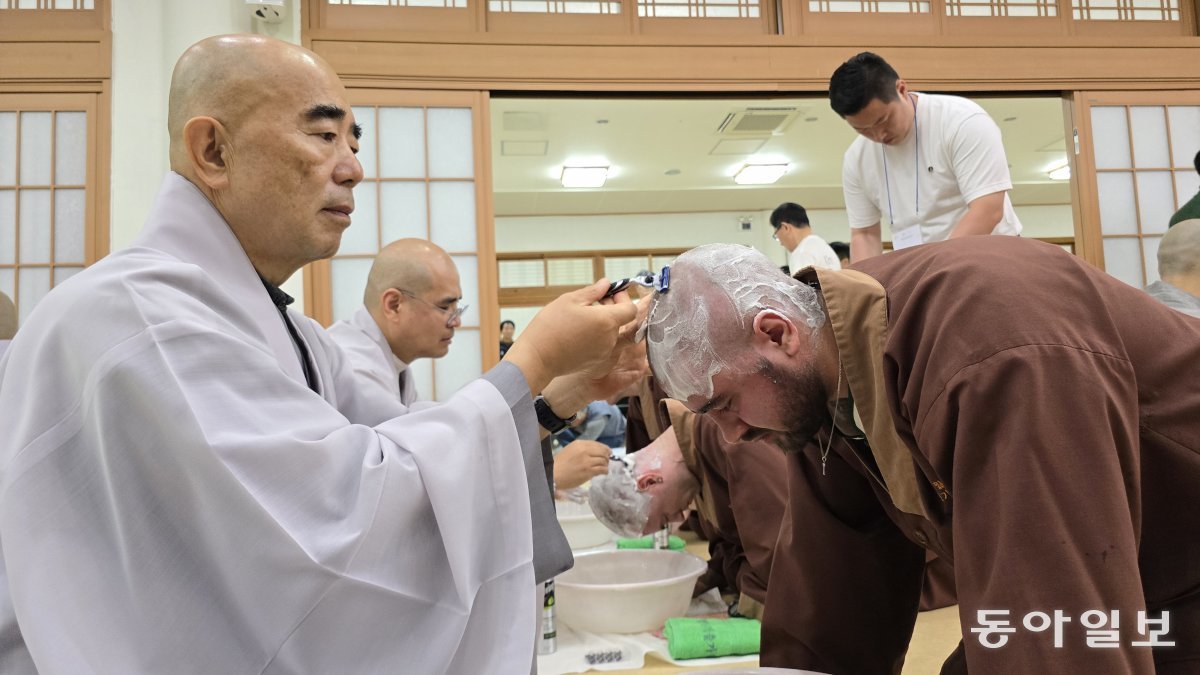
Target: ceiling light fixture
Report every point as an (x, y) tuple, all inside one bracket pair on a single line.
[(1060, 171), (584, 176), (759, 174)]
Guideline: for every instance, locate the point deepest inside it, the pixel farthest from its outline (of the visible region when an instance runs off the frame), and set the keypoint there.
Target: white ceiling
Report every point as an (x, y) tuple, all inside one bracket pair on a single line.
[(647, 140)]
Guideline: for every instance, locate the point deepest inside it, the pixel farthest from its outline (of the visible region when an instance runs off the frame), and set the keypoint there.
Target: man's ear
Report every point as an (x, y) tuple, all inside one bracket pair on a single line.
[(901, 87), (207, 143), (775, 330), (648, 479), (390, 301)]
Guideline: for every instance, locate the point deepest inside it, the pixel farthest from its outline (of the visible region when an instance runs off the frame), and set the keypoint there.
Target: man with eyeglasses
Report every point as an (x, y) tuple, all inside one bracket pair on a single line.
[(804, 247), (411, 307)]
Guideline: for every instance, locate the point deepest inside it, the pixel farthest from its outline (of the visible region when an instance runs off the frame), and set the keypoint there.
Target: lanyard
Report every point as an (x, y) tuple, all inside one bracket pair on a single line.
[(916, 167)]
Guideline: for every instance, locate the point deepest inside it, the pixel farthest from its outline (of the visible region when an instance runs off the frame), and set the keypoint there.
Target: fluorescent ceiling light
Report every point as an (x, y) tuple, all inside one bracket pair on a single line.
[(1060, 172), (759, 174), (584, 176)]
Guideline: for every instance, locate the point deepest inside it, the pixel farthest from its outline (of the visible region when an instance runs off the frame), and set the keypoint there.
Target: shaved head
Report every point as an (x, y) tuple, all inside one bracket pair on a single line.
[(413, 294), (412, 264), (228, 77), (8, 318), (1179, 251)]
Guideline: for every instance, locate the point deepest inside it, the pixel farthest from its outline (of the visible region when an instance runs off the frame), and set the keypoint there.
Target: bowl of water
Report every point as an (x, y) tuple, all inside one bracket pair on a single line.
[(581, 526), (626, 591)]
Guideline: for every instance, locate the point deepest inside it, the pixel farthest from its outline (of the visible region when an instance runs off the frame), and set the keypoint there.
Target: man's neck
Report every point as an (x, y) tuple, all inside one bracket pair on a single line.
[(1187, 284)]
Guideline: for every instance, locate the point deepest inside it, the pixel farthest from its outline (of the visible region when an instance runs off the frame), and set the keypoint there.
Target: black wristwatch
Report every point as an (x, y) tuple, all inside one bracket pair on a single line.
[(546, 417)]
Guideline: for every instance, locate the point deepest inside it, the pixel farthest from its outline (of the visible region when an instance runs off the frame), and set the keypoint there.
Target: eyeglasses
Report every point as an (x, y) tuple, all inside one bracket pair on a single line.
[(451, 312), (775, 235)]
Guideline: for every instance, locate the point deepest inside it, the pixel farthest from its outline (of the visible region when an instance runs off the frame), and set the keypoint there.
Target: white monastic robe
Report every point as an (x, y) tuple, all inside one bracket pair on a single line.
[(174, 497), (371, 356)]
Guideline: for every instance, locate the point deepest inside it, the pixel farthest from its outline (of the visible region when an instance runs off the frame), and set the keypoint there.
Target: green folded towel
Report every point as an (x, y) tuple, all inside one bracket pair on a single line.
[(706, 638), (674, 543)]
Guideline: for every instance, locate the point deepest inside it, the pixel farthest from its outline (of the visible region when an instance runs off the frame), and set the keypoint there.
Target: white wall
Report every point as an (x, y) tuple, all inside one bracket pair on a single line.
[(148, 37), (685, 230), (668, 230)]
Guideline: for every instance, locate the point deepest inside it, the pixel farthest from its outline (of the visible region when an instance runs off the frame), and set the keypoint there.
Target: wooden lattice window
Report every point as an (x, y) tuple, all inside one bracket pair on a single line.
[(47, 4), (47, 195), (1033, 8), (401, 3), (554, 6), (869, 6), (1125, 10), (1143, 162), (534, 279), (699, 9)]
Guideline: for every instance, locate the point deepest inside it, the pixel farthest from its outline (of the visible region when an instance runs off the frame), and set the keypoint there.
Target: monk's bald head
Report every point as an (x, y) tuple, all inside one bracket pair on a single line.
[(415, 265), (229, 77), (8, 318), (1179, 252)]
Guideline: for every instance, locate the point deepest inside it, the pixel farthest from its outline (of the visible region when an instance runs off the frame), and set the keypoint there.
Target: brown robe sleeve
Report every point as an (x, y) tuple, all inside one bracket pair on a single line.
[(845, 581), (1046, 502), (644, 419), (745, 485)]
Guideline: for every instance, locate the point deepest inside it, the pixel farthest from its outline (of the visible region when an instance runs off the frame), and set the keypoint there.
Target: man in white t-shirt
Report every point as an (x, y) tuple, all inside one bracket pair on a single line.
[(933, 167), (410, 310), (793, 232)]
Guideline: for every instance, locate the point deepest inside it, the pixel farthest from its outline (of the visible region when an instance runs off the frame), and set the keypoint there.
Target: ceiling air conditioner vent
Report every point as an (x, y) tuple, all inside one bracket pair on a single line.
[(757, 121)]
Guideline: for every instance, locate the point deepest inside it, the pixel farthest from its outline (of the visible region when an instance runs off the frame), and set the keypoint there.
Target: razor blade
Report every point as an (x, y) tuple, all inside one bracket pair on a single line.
[(659, 282)]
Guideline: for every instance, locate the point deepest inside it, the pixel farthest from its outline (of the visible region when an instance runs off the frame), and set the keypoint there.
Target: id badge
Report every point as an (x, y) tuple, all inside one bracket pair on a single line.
[(907, 237)]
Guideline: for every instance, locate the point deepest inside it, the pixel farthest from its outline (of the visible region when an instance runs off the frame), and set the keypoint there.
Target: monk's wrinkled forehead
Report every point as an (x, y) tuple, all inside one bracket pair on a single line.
[(231, 76)]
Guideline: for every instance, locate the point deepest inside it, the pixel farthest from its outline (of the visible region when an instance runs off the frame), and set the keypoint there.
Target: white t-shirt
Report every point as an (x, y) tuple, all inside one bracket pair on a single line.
[(961, 158), (812, 251)]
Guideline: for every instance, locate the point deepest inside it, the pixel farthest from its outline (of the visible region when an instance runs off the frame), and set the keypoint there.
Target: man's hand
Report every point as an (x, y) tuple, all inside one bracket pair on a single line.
[(625, 365), (572, 333), (579, 462)]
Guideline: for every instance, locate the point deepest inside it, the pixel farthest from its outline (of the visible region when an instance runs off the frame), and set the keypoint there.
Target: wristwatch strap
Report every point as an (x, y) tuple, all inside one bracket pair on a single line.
[(546, 417)]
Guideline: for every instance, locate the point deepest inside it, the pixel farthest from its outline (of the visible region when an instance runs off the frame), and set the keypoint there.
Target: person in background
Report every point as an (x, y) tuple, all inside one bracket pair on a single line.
[(1179, 268), (842, 250), (1191, 209), (794, 233), (932, 166), (194, 475), (8, 322), (411, 306), (1076, 501), (600, 421), (507, 329)]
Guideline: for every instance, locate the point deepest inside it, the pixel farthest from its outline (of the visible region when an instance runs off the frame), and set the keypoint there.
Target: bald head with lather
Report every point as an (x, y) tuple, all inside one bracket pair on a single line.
[(412, 289)]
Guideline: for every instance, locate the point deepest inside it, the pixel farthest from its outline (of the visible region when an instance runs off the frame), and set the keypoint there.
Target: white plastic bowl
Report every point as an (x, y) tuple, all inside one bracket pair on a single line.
[(581, 526), (626, 591)]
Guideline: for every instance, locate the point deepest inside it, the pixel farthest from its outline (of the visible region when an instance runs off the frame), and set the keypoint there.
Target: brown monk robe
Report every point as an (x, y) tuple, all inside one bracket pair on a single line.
[(1032, 420), (743, 492)]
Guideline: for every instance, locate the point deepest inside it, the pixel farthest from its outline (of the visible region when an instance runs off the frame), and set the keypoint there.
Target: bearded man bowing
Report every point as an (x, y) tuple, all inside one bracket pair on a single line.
[(192, 480)]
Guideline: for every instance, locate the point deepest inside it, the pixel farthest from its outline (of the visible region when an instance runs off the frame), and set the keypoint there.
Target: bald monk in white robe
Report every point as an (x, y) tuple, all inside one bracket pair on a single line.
[(191, 479), (411, 306)]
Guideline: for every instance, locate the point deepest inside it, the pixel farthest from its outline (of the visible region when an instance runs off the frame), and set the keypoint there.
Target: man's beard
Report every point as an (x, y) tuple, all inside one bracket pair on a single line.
[(801, 402)]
